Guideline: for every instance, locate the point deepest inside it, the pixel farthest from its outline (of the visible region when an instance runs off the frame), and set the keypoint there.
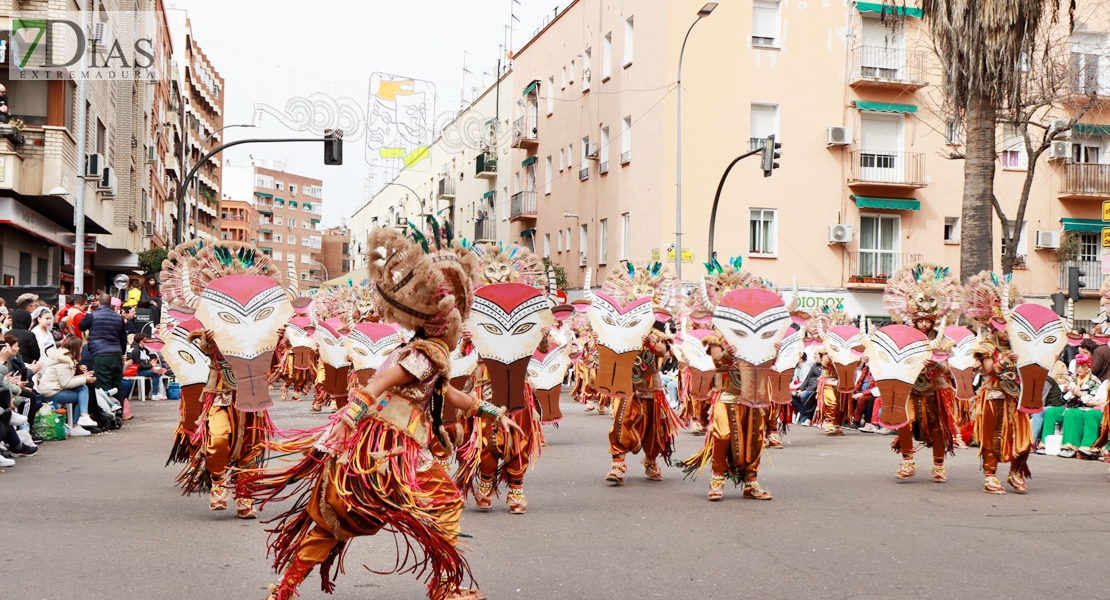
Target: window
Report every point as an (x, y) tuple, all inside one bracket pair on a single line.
[(586, 72), (626, 220), (547, 176), (291, 239), (765, 23), (279, 185), (304, 276), (276, 255), (306, 259), (101, 141), (626, 140), (953, 133), (292, 189), (563, 79), (277, 220), (603, 150), (628, 35), (603, 242), (761, 227), (879, 245), (568, 239), (1013, 148), (607, 56), (584, 171), (562, 158), (570, 72), (559, 241), (583, 244), (547, 245), (1088, 247), (570, 156), (951, 230), (304, 224), (277, 237), (292, 223), (1087, 149), (550, 98), (763, 123)]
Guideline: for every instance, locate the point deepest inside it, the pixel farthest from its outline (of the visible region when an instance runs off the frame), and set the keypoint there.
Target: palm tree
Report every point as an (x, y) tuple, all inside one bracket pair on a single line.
[(981, 45)]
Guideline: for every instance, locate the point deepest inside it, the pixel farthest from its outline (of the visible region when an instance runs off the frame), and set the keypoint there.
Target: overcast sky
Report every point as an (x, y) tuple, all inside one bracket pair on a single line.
[(268, 51)]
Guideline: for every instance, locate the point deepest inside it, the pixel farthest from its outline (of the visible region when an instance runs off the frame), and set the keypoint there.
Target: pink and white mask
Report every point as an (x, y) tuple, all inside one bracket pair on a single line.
[(782, 372), (896, 354), (620, 330), (330, 336), (753, 320), (1037, 336), (506, 324), (190, 368), (368, 345), (839, 342), (545, 376), (244, 312), (961, 359)]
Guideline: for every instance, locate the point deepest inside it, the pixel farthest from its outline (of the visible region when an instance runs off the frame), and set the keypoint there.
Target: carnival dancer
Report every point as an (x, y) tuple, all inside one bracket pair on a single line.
[(1022, 342), (753, 322), (241, 306), (370, 468), (190, 368), (334, 366), (696, 370), (925, 297), (631, 347), (834, 389), (510, 320)]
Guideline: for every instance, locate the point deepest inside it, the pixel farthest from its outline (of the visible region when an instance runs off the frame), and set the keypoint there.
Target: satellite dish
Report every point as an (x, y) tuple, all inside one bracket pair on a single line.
[(121, 281)]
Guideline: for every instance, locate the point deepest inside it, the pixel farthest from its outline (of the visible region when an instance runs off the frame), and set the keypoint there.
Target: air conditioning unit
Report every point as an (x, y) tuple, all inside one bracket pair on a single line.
[(401, 221), (1047, 239), (1060, 124), (108, 182), (581, 259), (94, 166), (151, 154), (838, 136), (98, 32), (591, 151), (148, 229), (840, 234), (1059, 151)]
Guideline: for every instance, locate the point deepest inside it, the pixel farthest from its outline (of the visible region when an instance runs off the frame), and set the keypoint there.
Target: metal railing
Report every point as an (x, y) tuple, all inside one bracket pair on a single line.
[(1090, 74), (1092, 278), (523, 205), (875, 266), (584, 173), (485, 163), (603, 167), (525, 129), (1086, 179), (889, 65), (485, 230), (894, 168), (446, 188)]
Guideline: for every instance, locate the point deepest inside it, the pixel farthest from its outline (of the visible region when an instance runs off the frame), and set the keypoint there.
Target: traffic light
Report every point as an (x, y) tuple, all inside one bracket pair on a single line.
[(1075, 282), (770, 153), (1060, 304), (333, 147)]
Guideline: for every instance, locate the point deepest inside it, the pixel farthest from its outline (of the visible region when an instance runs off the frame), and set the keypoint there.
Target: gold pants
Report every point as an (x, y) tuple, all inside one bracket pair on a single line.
[(737, 431), (636, 426), (1005, 434), (832, 408), (232, 437), (509, 448), (927, 415)]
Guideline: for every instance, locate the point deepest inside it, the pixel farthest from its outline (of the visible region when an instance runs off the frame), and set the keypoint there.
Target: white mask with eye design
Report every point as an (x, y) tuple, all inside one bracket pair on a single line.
[(507, 321), (753, 320), (1037, 335), (370, 344), (621, 328), (298, 333), (546, 371), (693, 350), (188, 362), (330, 337)]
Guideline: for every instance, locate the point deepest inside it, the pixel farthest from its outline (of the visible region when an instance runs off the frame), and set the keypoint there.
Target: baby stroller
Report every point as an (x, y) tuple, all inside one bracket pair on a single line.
[(106, 411)]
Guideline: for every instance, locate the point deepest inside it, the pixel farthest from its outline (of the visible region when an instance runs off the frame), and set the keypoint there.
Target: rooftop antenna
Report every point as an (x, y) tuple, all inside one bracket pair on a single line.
[(462, 89)]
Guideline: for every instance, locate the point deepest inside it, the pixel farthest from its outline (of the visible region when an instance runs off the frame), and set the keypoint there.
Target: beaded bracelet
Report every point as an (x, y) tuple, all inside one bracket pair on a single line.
[(492, 410)]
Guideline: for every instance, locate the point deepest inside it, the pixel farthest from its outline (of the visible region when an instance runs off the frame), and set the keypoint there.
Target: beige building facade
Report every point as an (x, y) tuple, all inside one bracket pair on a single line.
[(868, 181)]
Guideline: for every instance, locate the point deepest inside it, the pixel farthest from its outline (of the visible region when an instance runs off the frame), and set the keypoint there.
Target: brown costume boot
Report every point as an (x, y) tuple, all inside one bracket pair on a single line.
[(293, 577)]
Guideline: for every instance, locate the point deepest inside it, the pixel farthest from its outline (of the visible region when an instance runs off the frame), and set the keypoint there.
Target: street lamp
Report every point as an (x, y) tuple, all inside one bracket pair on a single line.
[(704, 12), (196, 183), (327, 275)]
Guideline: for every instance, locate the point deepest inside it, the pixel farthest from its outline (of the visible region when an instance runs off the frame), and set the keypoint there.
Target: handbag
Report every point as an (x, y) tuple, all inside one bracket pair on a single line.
[(49, 425), (132, 370)]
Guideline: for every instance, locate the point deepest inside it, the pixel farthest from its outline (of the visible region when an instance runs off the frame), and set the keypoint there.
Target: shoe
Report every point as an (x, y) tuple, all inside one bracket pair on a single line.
[(907, 470), (833, 430), (27, 451), (1069, 453), (217, 498), (6, 462), (18, 420), (754, 492), (886, 431), (938, 474), (853, 425), (959, 443), (284, 393), (992, 486), (868, 428), (37, 439), (697, 428), (516, 501), (158, 397), (483, 494), (1017, 482), (77, 431), (773, 441), (86, 421), (589, 406), (244, 508), (1085, 453), (716, 487), (616, 474), (651, 470)]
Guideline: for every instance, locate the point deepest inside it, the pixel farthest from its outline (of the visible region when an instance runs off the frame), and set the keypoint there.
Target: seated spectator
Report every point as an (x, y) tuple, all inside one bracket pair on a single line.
[(63, 382), (863, 397), (1081, 415), (1053, 397), (28, 343), (147, 363), (806, 402)]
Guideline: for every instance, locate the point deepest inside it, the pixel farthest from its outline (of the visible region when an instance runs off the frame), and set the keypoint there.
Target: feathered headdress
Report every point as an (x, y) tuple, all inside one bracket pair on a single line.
[(921, 291), (983, 299), (422, 281), (633, 280), (190, 267), (721, 280), (509, 263)]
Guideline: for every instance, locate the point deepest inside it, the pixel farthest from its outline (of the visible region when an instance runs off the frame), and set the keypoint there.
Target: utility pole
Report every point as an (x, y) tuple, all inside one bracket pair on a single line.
[(82, 139)]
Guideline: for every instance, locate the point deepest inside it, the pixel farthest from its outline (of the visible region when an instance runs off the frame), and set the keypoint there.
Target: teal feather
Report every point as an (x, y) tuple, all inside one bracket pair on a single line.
[(419, 237), (631, 269)]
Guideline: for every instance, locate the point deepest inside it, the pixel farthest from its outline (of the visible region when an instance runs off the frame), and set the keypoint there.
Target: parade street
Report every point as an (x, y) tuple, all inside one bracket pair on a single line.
[(840, 526)]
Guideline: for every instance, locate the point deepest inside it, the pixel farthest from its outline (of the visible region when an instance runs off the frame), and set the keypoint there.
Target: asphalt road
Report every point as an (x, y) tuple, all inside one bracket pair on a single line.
[(98, 517)]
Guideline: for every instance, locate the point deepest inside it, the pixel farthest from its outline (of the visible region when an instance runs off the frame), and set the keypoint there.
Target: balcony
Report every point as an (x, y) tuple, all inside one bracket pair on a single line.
[(870, 268), (877, 66), (446, 189), (1090, 74), (485, 166), (523, 206), (1092, 281), (485, 230), (1085, 181), (880, 168), (525, 133)]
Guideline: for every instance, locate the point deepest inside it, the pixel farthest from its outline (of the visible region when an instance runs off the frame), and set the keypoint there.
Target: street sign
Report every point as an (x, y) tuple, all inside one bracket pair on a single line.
[(1106, 237), (687, 255), (1106, 210)]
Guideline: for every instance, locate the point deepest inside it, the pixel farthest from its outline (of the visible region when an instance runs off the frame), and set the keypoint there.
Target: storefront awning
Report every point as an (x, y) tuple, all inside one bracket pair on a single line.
[(114, 259), (264, 195), (889, 107), (528, 161), (489, 194), (56, 209), (1088, 129), (1083, 225), (528, 232), (887, 203), (531, 87), (894, 7)]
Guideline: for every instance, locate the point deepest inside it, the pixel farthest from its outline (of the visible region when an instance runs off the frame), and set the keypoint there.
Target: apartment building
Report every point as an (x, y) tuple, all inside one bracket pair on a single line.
[(870, 177), (336, 254), (239, 222), (201, 117), (465, 178), (158, 208), (289, 208)]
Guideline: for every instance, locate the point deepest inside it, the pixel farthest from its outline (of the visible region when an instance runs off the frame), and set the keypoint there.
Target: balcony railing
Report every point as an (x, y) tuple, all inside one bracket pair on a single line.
[(485, 165), (523, 205), (1090, 74), (1082, 179), (888, 168), (878, 65), (1092, 282), (446, 188), (485, 230), (875, 266), (525, 131)]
